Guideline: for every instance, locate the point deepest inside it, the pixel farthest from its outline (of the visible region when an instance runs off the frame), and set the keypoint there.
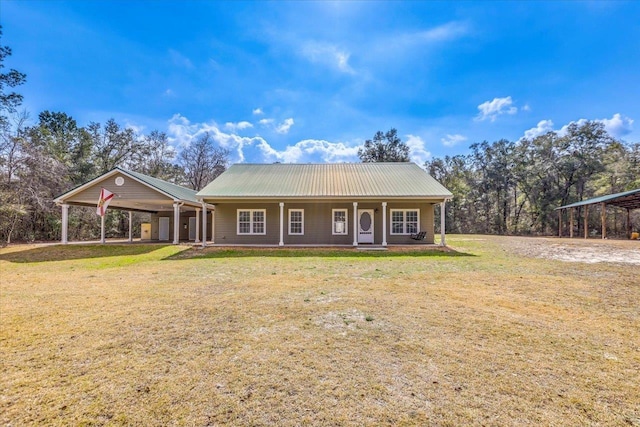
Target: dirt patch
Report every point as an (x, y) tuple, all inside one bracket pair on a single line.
[(573, 250)]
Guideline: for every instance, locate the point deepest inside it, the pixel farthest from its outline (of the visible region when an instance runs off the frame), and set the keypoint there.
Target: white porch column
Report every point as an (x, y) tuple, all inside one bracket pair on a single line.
[(384, 223), (355, 223), (130, 226), (213, 225), (176, 223), (442, 241), (65, 224), (281, 224), (198, 226), (102, 240), (204, 225)]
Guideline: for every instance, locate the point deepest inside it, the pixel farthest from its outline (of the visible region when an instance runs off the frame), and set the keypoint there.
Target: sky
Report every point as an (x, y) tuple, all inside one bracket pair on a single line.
[(306, 81)]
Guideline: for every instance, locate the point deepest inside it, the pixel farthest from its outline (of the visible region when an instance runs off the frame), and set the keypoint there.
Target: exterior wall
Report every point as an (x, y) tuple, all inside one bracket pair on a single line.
[(317, 223), (184, 225), (130, 190)]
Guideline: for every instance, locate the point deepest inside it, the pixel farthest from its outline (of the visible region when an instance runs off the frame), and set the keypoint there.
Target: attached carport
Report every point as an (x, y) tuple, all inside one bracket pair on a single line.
[(136, 192), (628, 200)]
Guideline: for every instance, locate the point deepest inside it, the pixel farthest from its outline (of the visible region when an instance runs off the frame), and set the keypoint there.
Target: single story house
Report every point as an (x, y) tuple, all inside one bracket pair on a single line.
[(279, 205), (324, 204)]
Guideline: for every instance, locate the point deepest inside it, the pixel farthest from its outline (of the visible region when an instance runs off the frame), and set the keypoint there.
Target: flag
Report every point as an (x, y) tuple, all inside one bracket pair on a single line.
[(103, 202)]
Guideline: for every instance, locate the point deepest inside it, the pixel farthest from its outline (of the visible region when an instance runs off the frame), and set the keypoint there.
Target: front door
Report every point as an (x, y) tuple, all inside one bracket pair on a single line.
[(163, 228), (192, 228), (365, 225)]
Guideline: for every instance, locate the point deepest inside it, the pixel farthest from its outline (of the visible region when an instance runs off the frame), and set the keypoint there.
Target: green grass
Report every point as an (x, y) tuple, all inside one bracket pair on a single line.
[(167, 335)]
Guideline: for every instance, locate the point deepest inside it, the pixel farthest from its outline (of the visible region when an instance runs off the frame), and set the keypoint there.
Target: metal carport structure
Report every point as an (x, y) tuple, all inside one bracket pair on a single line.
[(628, 200)]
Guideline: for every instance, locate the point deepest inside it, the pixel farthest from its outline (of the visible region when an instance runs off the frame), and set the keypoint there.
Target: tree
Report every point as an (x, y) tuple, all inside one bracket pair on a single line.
[(385, 147), (8, 101), (203, 161)]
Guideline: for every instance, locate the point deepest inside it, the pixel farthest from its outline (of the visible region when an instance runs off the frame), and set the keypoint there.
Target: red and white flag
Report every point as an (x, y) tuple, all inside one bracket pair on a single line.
[(103, 202)]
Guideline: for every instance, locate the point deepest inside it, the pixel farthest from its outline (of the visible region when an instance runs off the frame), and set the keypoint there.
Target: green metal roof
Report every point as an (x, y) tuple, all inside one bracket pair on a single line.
[(325, 181), (175, 191), (628, 199)]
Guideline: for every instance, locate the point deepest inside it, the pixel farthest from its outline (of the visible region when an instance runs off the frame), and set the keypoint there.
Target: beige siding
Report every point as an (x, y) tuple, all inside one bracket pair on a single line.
[(317, 223), (131, 190)]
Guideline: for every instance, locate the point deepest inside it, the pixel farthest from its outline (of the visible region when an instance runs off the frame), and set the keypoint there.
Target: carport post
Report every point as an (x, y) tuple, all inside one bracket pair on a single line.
[(176, 223), (442, 223), (130, 226), (559, 222), (102, 229), (204, 225), (629, 223), (197, 226), (65, 223)]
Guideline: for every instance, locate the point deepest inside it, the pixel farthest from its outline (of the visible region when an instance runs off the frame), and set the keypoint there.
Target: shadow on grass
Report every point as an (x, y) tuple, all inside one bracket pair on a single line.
[(73, 252), (314, 253)]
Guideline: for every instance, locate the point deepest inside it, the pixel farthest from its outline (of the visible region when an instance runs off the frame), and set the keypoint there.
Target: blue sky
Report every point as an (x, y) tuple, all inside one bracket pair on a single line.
[(310, 81)]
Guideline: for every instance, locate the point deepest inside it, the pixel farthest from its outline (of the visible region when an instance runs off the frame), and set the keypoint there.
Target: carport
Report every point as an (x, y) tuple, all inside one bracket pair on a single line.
[(628, 200), (174, 209)]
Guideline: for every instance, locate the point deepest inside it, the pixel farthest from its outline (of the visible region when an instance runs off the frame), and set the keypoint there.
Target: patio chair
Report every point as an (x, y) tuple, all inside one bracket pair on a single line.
[(419, 236)]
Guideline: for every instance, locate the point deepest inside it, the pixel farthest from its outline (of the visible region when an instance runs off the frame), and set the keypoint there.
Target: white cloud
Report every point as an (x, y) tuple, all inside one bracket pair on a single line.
[(618, 125), (258, 112), (526, 107), (452, 140), (285, 126), (448, 31), (256, 149), (492, 109), (417, 150), (238, 126), (328, 55), (543, 127), (265, 122)]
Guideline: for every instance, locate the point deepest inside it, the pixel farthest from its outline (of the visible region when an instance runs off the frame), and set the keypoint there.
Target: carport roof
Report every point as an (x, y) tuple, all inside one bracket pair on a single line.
[(628, 199), (170, 190)]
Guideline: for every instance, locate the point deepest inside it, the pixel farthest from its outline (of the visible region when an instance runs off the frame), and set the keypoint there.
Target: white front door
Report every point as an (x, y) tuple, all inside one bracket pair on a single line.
[(365, 225), (163, 228), (192, 228)]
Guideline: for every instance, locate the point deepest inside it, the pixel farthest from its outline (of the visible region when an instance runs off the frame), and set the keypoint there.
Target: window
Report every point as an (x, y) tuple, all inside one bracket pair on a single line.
[(405, 221), (251, 221), (340, 225), (296, 221)]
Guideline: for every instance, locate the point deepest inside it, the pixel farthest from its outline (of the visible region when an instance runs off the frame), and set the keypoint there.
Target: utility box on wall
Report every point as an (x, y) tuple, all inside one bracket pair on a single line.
[(145, 231)]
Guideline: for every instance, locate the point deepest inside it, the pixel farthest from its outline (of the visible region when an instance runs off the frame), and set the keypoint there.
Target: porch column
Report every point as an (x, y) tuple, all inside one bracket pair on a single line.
[(176, 223), (442, 223), (65, 224), (213, 226), (629, 223), (355, 223), (603, 214), (586, 221), (281, 224), (198, 226), (130, 226), (204, 225), (384, 223), (571, 223)]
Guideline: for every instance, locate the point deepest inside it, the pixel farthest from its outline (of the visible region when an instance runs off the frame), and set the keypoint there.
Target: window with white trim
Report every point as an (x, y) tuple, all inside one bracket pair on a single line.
[(405, 221), (296, 221), (340, 221), (252, 221)]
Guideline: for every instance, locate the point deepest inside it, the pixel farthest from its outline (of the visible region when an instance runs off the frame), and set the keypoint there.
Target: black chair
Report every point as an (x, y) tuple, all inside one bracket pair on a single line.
[(419, 236)]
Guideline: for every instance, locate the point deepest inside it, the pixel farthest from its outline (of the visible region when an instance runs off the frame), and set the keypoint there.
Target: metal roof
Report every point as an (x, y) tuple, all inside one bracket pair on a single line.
[(327, 180), (628, 199)]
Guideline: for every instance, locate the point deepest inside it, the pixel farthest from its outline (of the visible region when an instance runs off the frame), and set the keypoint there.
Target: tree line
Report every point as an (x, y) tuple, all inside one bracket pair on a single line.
[(503, 187)]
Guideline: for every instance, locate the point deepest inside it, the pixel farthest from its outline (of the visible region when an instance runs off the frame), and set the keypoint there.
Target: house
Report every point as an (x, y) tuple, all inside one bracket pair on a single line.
[(324, 204), (279, 205)]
